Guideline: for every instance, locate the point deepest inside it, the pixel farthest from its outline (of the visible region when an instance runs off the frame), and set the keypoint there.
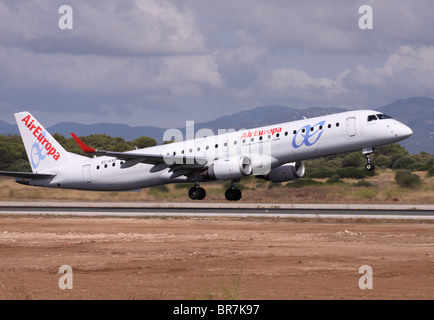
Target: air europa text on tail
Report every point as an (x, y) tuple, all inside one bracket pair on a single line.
[(36, 130)]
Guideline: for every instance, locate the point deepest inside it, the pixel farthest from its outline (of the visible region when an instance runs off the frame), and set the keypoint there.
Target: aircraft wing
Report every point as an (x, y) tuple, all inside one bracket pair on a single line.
[(180, 165), (27, 175)]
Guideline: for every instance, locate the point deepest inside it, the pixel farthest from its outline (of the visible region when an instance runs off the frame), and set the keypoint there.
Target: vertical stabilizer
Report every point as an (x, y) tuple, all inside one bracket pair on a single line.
[(43, 151)]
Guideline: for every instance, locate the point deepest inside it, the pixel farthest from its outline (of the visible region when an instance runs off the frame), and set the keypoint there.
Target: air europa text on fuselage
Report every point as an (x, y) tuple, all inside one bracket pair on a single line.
[(36, 130), (258, 133)]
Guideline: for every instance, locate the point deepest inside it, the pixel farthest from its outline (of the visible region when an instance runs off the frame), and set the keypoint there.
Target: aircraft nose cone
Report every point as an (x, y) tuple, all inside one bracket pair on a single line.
[(406, 132)]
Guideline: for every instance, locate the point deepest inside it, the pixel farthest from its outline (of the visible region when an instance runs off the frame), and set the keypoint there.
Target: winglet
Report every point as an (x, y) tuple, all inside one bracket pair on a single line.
[(82, 145)]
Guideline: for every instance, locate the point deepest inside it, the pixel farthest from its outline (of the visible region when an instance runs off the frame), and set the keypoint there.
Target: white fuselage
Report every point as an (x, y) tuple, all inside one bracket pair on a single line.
[(268, 147)]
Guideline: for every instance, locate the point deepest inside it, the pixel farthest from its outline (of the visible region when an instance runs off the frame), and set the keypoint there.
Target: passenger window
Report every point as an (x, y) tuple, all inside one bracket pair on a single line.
[(97, 167), (337, 124), (329, 126), (114, 164)]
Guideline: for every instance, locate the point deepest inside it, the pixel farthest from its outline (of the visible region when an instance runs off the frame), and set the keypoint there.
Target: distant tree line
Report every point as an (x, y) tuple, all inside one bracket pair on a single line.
[(13, 155), (388, 157), (351, 165)]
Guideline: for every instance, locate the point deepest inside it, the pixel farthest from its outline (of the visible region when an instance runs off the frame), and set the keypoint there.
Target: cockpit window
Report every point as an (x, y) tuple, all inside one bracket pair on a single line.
[(383, 116), (372, 117)]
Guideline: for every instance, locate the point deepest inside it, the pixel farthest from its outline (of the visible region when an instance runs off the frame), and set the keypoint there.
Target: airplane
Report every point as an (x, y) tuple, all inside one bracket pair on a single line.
[(275, 153)]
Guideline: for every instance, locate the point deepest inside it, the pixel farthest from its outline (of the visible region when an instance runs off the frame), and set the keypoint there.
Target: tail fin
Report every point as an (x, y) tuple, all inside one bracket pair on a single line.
[(43, 151)]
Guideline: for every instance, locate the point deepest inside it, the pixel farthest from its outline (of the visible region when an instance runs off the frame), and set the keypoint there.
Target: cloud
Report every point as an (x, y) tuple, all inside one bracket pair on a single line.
[(409, 71), (140, 60), (239, 66), (318, 26), (93, 85), (190, 69), (105, 74), (102, 27), (400, 21), (290, 82)]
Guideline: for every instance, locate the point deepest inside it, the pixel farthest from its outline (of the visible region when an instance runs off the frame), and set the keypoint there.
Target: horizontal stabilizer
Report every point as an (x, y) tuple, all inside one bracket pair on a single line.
[(27, 175)]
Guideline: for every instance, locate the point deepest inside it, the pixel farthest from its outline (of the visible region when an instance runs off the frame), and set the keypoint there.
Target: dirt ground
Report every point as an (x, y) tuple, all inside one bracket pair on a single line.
[(214, 258)]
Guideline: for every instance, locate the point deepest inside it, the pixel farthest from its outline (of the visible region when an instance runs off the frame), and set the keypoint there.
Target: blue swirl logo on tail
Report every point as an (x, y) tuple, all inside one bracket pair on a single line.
[(308, 135), (38, 153)]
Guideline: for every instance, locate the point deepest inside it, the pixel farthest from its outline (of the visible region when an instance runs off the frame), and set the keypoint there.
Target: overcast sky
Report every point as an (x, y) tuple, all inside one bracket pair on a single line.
[(162, 62)]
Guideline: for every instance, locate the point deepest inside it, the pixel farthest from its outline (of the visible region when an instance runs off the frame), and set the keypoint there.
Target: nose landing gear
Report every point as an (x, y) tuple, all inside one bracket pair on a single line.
[(369, 164)]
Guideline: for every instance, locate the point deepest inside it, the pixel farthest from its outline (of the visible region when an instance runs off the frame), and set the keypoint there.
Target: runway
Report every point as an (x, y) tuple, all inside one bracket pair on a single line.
[(258, 210)]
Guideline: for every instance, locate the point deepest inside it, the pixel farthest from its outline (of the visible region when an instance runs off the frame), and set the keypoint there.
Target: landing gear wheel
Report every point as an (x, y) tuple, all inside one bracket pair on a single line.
[(233, 194), (369, 165), (197, 193), (202, 194)]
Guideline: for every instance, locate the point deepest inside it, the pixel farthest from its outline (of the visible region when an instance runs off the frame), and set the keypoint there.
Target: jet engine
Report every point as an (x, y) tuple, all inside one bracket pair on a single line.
[(231, 168), (286, 172)]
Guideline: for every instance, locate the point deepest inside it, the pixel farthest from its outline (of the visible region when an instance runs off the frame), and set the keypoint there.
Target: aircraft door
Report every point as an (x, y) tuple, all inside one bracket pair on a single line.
[(86, 174), (351, 127)]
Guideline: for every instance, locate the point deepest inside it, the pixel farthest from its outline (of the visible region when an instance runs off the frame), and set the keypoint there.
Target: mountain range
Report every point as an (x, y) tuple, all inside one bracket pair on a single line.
[(417, 113)]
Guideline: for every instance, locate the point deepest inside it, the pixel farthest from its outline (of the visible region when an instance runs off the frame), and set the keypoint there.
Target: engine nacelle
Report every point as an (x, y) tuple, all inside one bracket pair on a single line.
[(230, 169), (287, 172)]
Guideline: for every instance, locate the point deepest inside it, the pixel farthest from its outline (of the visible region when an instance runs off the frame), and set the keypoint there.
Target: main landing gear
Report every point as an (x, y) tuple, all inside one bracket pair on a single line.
[(199, 193), (369, 164), (233, 194)]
